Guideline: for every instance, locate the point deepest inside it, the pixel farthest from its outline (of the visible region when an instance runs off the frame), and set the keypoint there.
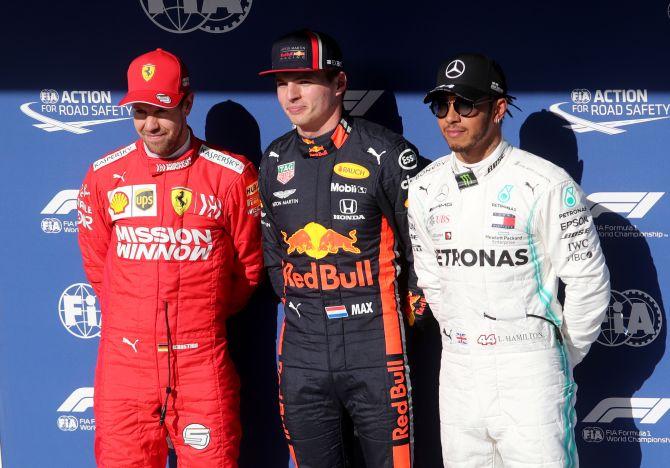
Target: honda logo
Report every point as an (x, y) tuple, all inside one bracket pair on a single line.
[(348, 206)]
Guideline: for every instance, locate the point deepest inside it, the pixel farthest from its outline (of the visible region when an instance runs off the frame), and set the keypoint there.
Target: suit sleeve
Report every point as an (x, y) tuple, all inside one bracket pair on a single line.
[(94, 231), (272, 247), (570, 239), (425, 263), (242, 213), (401, 164)]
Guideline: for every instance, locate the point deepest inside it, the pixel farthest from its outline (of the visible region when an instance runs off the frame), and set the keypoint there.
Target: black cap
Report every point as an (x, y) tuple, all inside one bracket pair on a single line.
[(471, 76), (304, 50)]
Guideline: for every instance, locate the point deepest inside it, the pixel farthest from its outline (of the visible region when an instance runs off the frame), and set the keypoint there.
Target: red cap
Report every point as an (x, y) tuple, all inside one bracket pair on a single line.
[(158, 78)]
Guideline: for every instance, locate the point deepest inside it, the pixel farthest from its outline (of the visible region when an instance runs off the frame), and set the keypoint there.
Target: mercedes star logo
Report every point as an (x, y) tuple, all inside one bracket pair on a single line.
[(455, 69)]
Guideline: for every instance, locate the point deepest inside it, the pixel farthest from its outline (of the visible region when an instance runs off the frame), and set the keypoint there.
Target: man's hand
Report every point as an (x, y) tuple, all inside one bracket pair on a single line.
[(415, 307)]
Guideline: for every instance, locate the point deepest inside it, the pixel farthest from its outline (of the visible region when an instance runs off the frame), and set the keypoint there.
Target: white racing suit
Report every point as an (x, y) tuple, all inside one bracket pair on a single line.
[(490, 243)]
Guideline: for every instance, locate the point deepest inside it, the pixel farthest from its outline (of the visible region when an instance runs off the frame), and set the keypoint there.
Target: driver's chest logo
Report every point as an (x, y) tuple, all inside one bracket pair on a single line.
[(181, 199)]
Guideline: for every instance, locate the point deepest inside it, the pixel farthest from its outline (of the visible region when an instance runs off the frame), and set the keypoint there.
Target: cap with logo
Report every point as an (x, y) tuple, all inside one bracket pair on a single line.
[(158, 78), (471, 76), (304, 51)]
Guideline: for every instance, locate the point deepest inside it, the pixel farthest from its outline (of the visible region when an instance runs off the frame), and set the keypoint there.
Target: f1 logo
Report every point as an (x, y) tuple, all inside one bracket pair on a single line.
[(79, 401), (634, 205), (348, 206), (647, 410)]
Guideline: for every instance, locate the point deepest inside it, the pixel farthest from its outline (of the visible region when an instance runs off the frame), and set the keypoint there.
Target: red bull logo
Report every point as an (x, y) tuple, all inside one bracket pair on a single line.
[(317, 150), (399, 401), (316, 241), (328, 277)]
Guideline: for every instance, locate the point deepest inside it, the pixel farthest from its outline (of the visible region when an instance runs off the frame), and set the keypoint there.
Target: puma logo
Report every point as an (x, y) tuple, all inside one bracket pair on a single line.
[(132, 345), (532, 187), (378, 156), (295, 307)]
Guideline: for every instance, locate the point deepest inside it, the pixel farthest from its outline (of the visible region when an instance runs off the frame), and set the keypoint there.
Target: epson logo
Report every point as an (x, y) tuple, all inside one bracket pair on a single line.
[(481, 257)]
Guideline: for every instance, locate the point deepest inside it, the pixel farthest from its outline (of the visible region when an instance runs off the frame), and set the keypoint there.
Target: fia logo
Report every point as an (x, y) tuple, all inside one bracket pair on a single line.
[(633, 319), (79, 311), (185, 16)]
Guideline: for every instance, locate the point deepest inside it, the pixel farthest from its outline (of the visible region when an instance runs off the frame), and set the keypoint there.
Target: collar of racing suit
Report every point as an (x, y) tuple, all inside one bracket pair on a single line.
[(181, 161), (487, 165), (325, 144)]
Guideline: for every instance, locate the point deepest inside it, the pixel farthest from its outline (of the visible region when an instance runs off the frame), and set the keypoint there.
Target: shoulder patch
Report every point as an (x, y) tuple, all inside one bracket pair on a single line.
[(110, 158), (222, 159)]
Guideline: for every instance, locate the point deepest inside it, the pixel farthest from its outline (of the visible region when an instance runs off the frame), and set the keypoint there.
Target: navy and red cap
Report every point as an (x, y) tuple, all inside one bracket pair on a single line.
[(158, 78), (471, 76), (304, 51)]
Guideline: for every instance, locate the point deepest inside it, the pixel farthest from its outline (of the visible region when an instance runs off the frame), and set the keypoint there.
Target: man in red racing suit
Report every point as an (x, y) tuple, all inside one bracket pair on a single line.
[(170, 238)]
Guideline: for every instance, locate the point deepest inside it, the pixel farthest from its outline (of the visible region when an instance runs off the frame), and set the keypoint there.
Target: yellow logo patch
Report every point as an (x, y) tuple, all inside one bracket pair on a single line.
[(119, 202), (351, 171), (148, 71), (181, 199)]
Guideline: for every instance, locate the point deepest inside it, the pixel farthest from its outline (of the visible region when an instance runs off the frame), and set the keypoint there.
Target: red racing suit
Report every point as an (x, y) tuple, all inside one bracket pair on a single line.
[(172, 248)]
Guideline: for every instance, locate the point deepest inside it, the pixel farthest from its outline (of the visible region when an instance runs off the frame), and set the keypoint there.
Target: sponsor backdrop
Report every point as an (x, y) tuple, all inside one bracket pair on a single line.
[(591, 100)]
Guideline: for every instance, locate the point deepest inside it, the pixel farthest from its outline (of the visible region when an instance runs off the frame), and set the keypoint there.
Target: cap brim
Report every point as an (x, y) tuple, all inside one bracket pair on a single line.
[(463, 91), (295, 70), (167, 101)]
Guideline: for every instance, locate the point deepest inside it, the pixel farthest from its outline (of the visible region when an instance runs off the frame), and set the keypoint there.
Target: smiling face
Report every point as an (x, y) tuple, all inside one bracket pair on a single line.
[(162, 130), (312, 101)]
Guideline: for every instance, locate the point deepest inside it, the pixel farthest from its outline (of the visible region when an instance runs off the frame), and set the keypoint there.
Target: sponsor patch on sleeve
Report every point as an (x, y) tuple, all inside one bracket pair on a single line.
[(110, 158), (222, 159)]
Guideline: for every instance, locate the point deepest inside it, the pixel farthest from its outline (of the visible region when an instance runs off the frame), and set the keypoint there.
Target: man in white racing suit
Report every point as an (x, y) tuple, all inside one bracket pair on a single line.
[(493, 228)]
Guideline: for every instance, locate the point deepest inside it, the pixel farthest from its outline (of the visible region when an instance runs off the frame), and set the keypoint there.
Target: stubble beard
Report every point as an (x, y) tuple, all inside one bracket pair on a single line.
[(476, 140)]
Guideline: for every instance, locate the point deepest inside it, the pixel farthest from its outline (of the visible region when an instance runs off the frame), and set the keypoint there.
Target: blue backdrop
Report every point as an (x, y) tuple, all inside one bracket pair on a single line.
[(592, 82)]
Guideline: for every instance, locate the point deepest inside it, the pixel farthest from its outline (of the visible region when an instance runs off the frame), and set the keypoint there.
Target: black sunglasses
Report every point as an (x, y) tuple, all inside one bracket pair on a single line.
[(463, 107)]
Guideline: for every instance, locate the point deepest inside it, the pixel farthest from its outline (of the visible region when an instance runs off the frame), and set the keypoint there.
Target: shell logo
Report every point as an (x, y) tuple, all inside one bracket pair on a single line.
[(119, 202), (351, 171)]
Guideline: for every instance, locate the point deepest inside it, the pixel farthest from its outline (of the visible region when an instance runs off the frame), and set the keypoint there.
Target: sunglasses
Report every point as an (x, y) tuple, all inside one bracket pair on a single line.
[(463, 107)]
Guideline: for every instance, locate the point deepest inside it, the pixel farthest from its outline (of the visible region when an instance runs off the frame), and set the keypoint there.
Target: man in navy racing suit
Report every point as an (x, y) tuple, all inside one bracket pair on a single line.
[(336, 245)]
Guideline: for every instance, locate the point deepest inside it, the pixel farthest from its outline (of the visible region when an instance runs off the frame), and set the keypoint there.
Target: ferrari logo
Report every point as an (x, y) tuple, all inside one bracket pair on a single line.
[(181, 199), (148, 71)]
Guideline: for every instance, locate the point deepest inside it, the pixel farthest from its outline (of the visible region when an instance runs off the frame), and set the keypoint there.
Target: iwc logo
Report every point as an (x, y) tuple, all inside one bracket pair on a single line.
[(185, 16)]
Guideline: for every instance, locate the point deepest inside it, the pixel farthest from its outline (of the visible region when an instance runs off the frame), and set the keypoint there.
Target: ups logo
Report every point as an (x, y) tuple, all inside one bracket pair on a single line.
[(144, 199)]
